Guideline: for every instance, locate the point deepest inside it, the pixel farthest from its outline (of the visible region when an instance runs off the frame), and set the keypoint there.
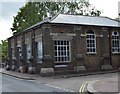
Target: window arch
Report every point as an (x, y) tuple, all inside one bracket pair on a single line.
[(115, 42), (91, 41)]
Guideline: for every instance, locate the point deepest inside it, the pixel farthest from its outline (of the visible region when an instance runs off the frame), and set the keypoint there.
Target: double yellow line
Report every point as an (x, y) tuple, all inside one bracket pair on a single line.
[(82, 88)]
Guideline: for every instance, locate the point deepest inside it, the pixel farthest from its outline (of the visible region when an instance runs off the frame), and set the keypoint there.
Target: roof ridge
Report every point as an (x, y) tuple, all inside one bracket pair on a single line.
[(89, 16), (52, 18)]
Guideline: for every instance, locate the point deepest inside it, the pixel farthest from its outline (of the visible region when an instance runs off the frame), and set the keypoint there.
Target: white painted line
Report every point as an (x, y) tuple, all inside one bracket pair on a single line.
[(59, 88)]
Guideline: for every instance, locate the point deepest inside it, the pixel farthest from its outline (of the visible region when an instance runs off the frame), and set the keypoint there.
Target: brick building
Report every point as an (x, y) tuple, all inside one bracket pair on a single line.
[(67, 42)]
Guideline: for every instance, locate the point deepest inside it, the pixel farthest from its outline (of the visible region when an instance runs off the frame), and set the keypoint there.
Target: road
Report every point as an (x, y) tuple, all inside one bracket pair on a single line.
[(78, 83), (11, 84), (51, 84)]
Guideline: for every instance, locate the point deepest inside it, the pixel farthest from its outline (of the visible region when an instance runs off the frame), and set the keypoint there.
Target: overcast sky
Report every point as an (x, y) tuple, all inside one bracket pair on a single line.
[(9, 8)]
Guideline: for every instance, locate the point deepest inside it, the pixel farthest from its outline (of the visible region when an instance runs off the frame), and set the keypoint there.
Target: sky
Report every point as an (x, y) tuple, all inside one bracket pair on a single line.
[(9, 8)]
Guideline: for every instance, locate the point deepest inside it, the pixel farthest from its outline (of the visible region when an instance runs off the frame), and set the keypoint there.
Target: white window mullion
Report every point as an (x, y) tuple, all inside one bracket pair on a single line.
[(91, 42), (62, 52)]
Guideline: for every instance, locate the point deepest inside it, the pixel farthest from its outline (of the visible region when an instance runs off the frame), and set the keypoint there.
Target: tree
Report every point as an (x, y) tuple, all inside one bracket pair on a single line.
[(34, 12), (0, 51), (4, 48)]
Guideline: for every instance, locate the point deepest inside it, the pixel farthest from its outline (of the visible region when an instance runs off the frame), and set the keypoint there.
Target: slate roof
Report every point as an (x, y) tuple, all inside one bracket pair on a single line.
[(80, 20), (85, 20)]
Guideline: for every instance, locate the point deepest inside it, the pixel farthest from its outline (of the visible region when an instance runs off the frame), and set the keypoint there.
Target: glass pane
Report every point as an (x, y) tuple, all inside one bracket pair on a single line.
[(62, 48), (67, 42), (62, 51), (55, 53), (64, 42), (67, 47), (58, 48), (55, 47), (88, 50), (55, 42), (58, 42)]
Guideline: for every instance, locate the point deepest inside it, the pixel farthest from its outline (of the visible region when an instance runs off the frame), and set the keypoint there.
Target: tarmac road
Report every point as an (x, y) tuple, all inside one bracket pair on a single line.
[(11, 84), (105, 82)]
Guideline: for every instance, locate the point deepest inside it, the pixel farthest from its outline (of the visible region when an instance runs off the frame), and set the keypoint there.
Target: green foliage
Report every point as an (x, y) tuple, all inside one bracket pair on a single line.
[(0, 51), (34, 12), (4, 48)]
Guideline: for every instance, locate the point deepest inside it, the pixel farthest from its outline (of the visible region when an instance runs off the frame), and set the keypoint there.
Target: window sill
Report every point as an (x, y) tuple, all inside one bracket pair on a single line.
[(62, 62), (91, 53), (116, 53)]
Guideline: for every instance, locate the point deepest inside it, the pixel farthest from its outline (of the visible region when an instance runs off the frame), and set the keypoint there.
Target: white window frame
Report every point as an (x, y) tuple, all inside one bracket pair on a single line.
[(115, 39), (58, 57), (92, 49), (39, 51)]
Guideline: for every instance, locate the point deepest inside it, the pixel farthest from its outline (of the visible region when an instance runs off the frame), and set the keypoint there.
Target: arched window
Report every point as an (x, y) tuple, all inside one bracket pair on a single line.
[(115, 42), (91, 42)]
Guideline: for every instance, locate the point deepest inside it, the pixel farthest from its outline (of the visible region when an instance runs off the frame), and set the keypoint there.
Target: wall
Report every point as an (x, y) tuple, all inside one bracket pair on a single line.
[(76, 34)]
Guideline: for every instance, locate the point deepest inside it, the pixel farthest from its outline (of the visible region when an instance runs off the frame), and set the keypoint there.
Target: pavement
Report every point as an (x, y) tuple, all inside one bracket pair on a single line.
[(110, 86), (95, 86)]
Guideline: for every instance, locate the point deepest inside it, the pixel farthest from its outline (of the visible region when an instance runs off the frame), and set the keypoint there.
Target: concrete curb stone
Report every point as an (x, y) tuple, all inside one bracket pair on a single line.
[(90, 88), (85, 74), (63, 76), (20, 77)]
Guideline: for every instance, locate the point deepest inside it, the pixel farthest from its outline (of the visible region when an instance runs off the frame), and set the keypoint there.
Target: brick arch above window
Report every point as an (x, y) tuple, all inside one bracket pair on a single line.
[(90, 32)]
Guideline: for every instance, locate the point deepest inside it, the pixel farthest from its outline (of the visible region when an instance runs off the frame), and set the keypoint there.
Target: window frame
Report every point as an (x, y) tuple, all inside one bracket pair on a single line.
[(115, 40), (90, 33), (59, 58)]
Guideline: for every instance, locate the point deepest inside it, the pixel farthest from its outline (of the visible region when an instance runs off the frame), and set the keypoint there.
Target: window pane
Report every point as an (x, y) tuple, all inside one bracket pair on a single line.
[(55, 42), (67, 42), (62, 48), (115, 42), (58, 42), (64, 42), (62, 52), (90, 41)]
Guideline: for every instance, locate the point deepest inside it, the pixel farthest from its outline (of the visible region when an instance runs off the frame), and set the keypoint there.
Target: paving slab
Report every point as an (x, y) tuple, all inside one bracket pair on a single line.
[(105, 86)]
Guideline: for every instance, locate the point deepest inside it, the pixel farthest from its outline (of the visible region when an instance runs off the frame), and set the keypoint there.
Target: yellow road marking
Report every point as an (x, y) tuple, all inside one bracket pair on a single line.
[(81, 90)]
